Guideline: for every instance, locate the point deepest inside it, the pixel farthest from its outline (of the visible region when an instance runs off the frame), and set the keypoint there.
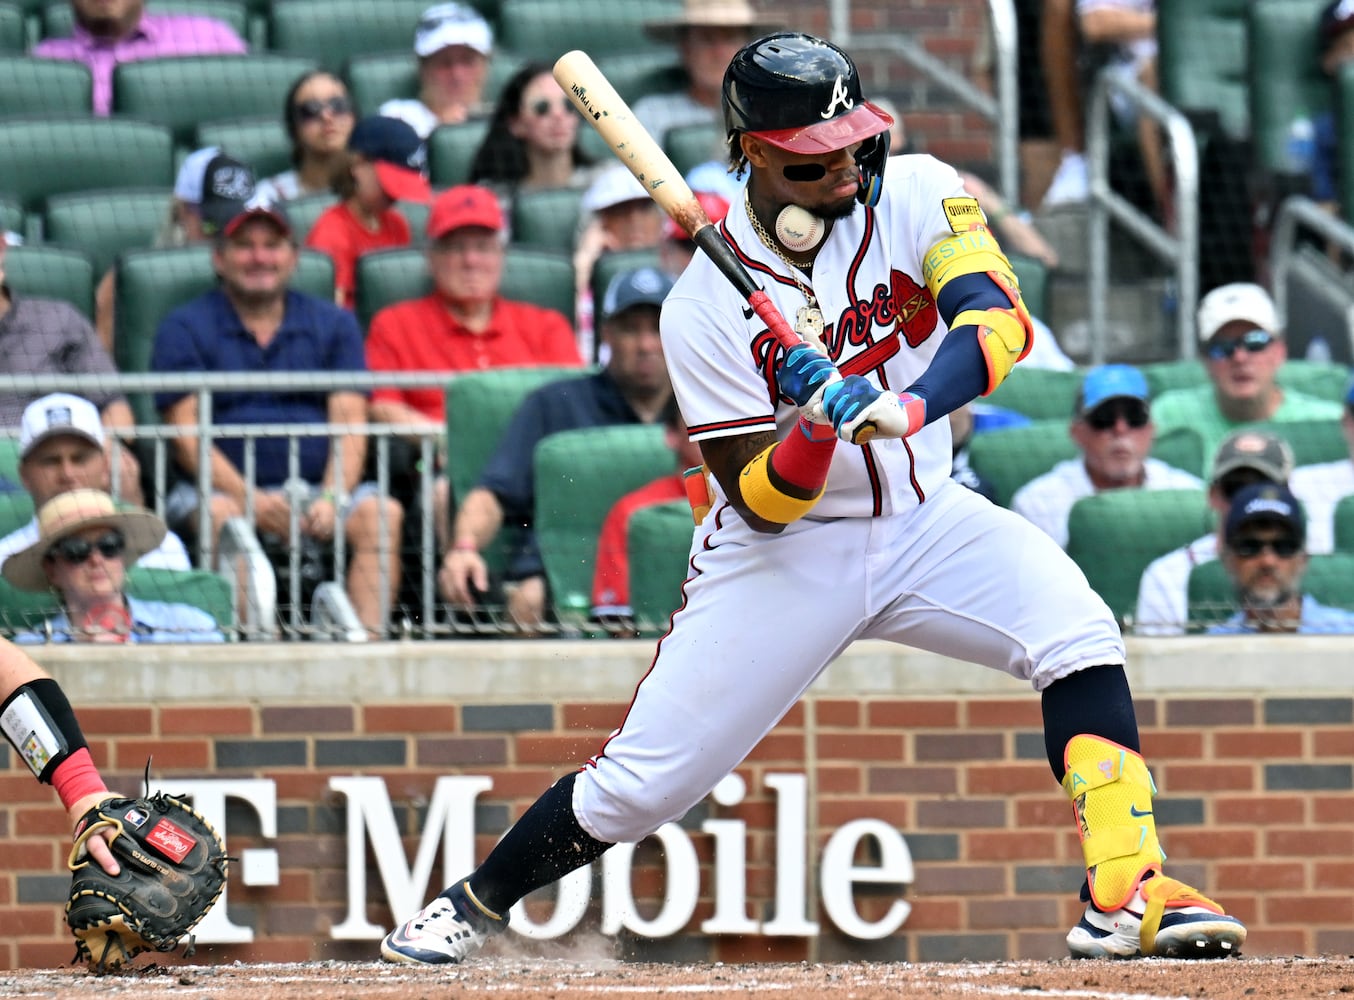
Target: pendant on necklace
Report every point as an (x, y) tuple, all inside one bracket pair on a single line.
[(809, 323)]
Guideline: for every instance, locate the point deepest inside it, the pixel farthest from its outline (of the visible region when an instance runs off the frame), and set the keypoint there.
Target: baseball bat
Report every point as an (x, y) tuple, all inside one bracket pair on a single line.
[(598, 102)]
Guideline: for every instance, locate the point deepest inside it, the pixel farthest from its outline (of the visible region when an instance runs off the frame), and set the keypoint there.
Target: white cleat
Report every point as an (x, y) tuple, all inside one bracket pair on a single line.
[(445, 932), (1185, 931)]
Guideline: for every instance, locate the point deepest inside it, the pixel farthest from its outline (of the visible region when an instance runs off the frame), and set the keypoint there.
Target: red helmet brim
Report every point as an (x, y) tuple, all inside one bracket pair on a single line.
[(856, 125)]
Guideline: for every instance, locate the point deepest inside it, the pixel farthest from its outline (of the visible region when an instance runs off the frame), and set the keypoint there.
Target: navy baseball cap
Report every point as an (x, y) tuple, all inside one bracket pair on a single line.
[(397, 152), (643, 286), (1270, 502), (1336, 19), (1111, 382)]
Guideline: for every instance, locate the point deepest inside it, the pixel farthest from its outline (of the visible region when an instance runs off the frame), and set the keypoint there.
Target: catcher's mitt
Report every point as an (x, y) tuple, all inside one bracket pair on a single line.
[(173, 868)]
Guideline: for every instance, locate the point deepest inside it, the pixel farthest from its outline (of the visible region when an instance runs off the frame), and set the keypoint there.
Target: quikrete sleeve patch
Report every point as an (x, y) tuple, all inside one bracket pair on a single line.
[(962, 213)]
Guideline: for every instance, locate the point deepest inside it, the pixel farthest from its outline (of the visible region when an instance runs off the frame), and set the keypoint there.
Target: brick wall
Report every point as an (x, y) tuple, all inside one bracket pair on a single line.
[(1256, 803)]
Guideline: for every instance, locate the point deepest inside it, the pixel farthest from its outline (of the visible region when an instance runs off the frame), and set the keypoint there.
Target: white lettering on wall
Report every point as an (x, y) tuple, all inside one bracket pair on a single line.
[(839, 874)]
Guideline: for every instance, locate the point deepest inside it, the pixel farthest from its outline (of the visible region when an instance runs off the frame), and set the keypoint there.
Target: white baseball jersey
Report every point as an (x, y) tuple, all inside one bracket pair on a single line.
[(1321, 488), (881, 323)]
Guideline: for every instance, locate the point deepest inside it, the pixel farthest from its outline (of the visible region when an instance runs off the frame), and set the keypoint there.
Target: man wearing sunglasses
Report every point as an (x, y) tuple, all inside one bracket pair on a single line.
[(1112, 428), (1243, 351), (1245, 458), (1265, 554)]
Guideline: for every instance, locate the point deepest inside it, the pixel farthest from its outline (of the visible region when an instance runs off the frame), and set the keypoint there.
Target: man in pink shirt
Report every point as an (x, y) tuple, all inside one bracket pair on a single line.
[(108, 32)]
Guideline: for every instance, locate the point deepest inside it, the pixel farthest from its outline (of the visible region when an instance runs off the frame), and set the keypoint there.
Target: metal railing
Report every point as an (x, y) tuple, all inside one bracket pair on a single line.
[(1179, 249), (1297, 214)]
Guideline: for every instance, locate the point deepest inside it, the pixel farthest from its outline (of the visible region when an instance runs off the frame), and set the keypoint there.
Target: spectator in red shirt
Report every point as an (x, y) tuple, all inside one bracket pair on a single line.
[(386, 163), (463, 324), (611, 574)]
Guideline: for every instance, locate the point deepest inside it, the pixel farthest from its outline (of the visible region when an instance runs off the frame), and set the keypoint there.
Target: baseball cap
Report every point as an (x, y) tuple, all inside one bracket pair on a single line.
[(715, 206), (55, 414), (1263, 451), (614, 185), (447, 24), (641, 286), (1265, 502), (1239, 302), (218, 184), (1336, 19), (461, 206), (261, 206), (398, 154), (1110, 382)]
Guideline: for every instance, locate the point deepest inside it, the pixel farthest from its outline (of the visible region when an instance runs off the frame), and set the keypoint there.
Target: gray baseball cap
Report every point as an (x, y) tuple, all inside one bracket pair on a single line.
[(642, 286), (1251, 448)]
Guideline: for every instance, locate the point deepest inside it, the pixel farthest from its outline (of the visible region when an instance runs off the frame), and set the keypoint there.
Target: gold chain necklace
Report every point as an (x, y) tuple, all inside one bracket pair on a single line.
[(809, 318)]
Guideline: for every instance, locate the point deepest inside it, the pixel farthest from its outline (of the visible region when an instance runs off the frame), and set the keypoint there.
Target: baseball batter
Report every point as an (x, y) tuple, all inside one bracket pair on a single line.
[(833, 517)]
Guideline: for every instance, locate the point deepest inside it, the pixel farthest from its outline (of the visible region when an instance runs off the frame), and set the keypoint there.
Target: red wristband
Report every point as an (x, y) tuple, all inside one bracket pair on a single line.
[(76, 776), (803, 460)]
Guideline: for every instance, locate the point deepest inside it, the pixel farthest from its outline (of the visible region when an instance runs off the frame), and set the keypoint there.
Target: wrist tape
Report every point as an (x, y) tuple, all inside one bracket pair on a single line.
[(39, 722)]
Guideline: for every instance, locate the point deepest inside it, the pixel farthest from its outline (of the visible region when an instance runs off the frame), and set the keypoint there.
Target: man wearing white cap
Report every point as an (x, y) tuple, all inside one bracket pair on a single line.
[(1243, 349), (453, 44), (61, 448), (708, 33)]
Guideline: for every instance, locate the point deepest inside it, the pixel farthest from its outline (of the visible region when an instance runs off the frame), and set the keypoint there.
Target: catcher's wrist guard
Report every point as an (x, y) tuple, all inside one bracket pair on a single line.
[(40, 724), (173, 868)]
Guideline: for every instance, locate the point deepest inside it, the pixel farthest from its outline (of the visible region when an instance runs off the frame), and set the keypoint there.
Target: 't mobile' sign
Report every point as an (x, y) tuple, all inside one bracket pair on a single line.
[(450, 824)]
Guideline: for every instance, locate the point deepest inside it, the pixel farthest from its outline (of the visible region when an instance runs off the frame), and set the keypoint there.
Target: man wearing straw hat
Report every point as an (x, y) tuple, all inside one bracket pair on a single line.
[(708, 34), (84, 546)]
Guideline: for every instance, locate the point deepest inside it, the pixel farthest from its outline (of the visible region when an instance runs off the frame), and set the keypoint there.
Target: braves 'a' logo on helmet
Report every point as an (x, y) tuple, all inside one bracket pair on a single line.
[(840, 97)]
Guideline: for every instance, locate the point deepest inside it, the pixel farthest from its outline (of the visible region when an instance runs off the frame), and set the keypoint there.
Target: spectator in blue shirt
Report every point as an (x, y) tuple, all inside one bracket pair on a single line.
[(1265, 553), (85, 544), (633, 388), (253, 322)]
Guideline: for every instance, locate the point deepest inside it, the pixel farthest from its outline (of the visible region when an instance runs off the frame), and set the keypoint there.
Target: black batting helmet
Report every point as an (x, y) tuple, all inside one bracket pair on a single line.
[(802, 94)]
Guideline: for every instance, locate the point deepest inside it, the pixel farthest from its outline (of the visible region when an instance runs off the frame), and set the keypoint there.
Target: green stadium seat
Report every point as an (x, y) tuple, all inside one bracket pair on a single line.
[(1323, 379), (1313, 441), (578, 476), (543, 277), (51, 272), (1212, 598), (30, 86), (24, 610), (658, 541), (1345, 129), (13, 29), (183, 93), (105, 223), (1038, 393), (451, 148), (383, 76), (305, 210), (149, 283), (1185, 373), (416, 214), (1032, 273), (1182, 448), (639, 74), (690, 145), (613, 263), (1344, 524), (547, 219), (1009, 457), (1113, 536), (16, 509), (1285, 77), (9, 469), (58, 19), (202, 589), (385, 277), (479, 406), (1202, 65), (11, 217), (261, 142), (542, 29), (43, 157), (334, 31)]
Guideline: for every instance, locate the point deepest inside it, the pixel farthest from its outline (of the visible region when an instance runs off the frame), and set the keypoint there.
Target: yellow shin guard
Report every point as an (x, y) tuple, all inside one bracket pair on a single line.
[(1111, 792)]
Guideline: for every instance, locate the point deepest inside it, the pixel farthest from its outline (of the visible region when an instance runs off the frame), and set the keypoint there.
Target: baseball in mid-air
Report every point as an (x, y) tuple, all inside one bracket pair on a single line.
[(798, 229)]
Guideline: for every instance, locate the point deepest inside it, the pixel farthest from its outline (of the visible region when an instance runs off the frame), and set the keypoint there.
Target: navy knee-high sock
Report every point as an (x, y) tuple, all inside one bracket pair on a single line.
[(1096, 701), (543, 846)]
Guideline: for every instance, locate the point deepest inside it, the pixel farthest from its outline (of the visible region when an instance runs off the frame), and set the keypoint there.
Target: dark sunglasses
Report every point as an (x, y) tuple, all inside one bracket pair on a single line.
[(77, 550), (1249, 548), (1254, 341), (544, 106), (1132, 412), (309, 111)]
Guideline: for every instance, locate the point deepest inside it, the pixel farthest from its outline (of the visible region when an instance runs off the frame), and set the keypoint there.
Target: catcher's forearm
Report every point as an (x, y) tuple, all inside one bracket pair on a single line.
[(40, 724)]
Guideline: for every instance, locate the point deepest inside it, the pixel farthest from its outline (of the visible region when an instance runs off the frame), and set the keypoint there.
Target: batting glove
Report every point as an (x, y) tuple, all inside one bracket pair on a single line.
[(859, 411), (803, 375)]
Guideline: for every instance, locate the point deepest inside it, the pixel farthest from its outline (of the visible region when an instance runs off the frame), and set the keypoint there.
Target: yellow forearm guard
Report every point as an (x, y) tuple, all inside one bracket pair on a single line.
[(765, 494), (1111, 792), (1005, 335)]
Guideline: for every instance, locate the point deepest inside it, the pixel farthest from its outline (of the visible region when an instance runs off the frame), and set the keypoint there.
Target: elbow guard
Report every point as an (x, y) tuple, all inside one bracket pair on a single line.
[(1005, 334)]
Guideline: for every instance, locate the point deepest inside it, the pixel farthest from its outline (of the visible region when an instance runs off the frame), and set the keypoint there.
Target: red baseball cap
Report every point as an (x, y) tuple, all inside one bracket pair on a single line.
[(462, 206), (716, 207)]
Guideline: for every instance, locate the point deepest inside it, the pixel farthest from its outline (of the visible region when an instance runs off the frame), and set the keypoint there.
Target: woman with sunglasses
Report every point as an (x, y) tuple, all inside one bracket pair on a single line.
[(319, 116), (532, 142), (84, 546)]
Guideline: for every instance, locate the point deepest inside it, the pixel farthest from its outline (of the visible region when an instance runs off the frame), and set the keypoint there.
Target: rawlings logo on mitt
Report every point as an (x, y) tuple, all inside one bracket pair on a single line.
[(173, 869)]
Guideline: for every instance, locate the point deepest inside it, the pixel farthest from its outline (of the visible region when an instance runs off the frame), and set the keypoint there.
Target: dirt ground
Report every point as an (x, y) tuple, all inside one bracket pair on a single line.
[(514, 979)]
